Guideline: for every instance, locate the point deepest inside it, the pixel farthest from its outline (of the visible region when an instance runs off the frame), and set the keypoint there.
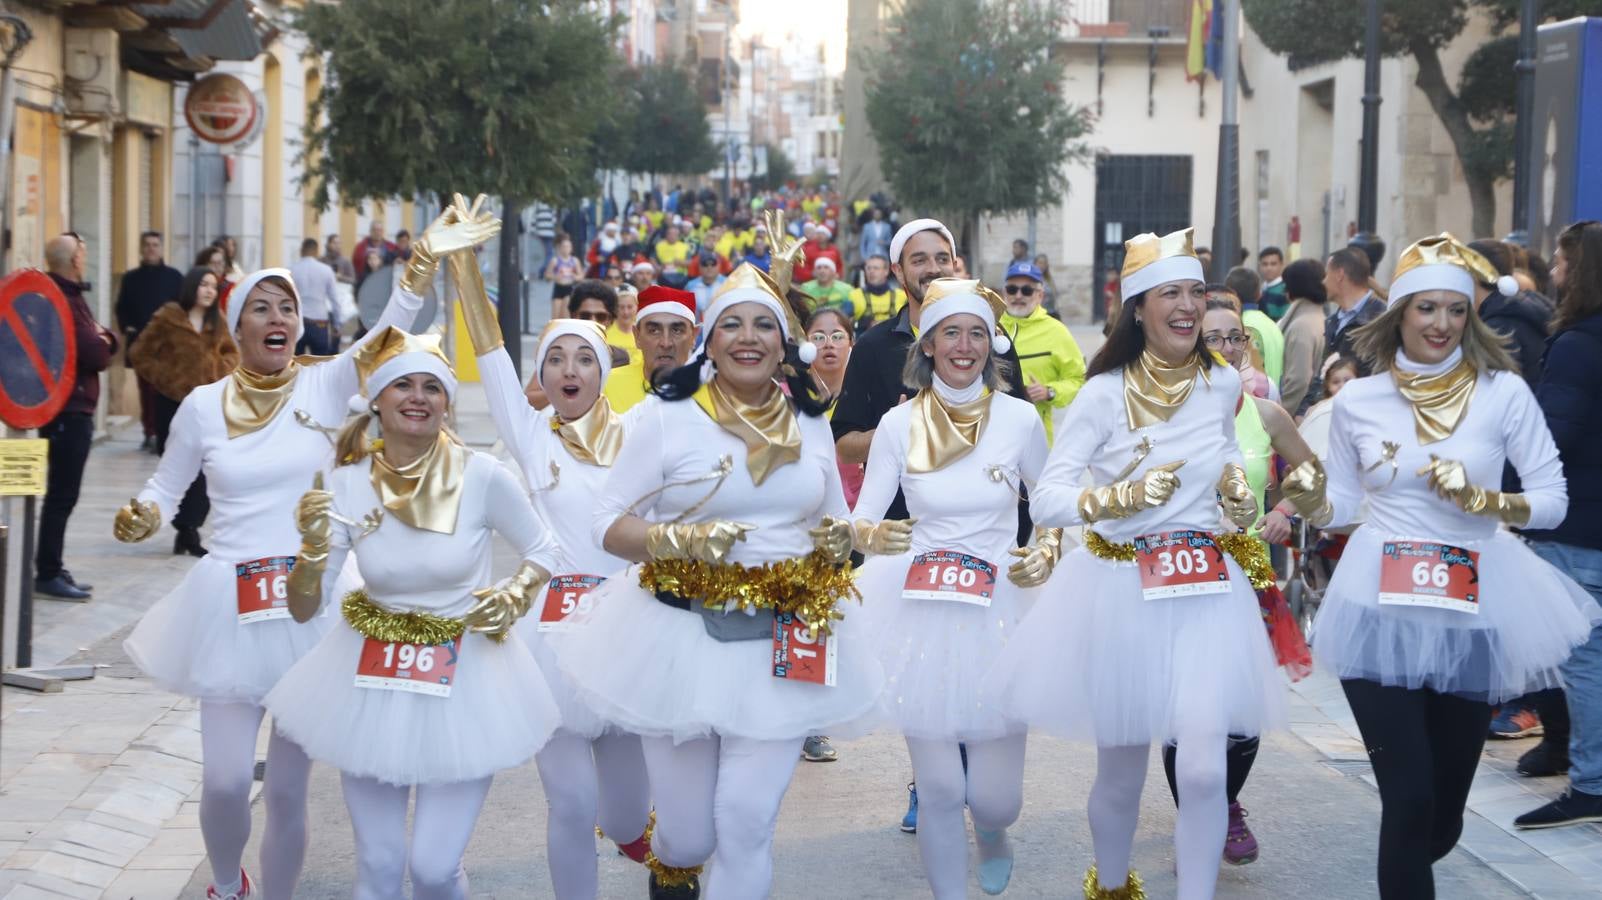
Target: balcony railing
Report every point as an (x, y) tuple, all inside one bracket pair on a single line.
[(1139, 19)]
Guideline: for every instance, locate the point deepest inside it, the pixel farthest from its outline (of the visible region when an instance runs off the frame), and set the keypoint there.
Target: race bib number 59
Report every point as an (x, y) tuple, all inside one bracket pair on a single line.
[(567, 601), (262, 588), (414, 668), (1429, 573), (1180, 564)]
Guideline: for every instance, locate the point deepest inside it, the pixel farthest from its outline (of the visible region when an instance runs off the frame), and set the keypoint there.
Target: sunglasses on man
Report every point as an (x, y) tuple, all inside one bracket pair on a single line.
[(1027, 290)]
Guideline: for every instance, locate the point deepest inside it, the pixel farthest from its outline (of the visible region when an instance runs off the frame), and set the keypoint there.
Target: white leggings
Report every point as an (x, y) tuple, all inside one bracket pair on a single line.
[(588, 783), (228, 766), (719, 798), (442, 824), (1200, 826), (992, 789)]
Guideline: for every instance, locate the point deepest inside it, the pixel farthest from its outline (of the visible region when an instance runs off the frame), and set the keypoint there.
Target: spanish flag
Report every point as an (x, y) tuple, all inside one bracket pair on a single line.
[(1199, 54)]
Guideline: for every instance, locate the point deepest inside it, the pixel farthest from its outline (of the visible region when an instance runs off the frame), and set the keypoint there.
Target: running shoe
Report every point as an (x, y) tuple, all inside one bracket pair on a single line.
[(1516, 722), (995, 860), (818, 749), (657, 891), (244, 890), (1572, 808), (909, 822), (1544, 759), (1240, 846)]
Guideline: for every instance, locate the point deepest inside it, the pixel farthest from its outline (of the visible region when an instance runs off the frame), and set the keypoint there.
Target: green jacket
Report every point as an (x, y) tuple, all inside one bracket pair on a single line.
[(1049, 356)]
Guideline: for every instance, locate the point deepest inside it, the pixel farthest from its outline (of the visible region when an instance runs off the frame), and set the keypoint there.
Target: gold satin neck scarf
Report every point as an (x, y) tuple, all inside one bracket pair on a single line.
[(943, 433), (770, 432), (250, 401), (1439, 402), (595, 437), (1154, 390), (427, 493)]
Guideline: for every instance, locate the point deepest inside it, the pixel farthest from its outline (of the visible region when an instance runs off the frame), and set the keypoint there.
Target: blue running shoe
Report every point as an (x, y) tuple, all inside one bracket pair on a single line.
[(909, 822), (995, 860)]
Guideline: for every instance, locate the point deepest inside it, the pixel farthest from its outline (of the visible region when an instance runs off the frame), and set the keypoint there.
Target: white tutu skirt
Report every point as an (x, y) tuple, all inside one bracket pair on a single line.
[(652, 670), (498, 715), (1530, 616), (576, 716), (191, 642), (1095, 661), (936, 653)]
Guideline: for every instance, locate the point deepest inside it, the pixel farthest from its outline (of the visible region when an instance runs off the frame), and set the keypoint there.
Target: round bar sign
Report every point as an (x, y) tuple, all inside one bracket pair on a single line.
[(220, 109), (38, 349)]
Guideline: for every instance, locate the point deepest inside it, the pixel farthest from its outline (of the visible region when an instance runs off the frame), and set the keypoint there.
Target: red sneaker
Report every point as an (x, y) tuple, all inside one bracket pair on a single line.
[(244, 890)]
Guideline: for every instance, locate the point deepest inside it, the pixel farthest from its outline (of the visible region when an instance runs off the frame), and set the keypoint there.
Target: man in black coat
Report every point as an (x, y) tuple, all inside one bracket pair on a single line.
[(1346, 280), (144, 290)]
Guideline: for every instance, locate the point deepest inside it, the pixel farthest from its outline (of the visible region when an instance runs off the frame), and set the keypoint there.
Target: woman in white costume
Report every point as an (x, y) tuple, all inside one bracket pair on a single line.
[(418, 688), (937, 603), (1152, 630), (727, 490), (1437, 611), (224, 635), (593, 775)]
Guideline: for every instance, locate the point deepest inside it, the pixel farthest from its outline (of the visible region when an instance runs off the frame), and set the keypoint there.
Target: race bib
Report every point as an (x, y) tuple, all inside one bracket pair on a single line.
[(949, 575), (416, 668), (262, 589), (800, 655), (1180, 564), (567, 602), (1429, 573)]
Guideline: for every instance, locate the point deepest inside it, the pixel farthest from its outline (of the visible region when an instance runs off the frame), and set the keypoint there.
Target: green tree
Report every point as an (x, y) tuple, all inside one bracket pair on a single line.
[(967, 108), (781, 169), (1477, 114), (665, 117), (476, 96)]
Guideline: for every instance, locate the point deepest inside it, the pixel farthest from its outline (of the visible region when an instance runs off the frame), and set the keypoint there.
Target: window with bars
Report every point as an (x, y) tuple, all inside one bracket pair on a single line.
[(1135, 194)]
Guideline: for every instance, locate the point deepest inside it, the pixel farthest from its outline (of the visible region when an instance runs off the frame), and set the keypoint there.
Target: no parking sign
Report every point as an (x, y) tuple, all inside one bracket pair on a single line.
[(38, 349)]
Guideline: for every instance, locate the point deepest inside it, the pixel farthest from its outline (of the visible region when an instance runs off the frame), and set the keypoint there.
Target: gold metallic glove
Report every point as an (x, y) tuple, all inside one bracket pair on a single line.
[(1125, 498), (1035, 562), (136, 521), (705, 541), (458, 228), (1235, 495), (786, 249), (498, 608), (832, 538), (1304, 487), (1449, 479), (483, 322), (887, 538), (305, 584)]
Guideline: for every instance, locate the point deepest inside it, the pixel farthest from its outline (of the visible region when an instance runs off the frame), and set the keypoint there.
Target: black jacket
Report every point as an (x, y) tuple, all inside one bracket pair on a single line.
[(1524, 318), (1569, 397), (1339, 340), (144, 290)]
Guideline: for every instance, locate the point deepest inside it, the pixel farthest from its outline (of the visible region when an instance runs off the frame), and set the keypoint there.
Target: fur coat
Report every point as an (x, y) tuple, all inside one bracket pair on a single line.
[(176, 359)]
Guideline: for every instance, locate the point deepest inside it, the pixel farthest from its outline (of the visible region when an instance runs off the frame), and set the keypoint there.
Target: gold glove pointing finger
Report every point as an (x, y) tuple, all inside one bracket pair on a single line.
[(832, 538), (704, 541), (136, 521), (1235, 495), (311, 513)]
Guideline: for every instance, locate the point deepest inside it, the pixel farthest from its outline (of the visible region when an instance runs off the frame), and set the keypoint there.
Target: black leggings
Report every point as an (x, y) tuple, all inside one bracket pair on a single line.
[(1424, 748), (1238, 759)]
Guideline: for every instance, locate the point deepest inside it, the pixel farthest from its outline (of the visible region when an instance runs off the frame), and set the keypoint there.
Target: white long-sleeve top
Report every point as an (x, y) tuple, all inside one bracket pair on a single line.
[(412, 569), (1096, 437), (676, 441), (960, 507), (1503, 423), (565, 502), (255, 480)]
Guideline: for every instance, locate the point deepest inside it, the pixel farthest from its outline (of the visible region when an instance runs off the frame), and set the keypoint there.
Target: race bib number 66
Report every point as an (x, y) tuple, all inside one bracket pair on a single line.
[(1429, 573)]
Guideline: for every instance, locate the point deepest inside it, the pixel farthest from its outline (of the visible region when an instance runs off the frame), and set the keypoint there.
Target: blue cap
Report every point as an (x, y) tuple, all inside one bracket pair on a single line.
[(1025, 269)]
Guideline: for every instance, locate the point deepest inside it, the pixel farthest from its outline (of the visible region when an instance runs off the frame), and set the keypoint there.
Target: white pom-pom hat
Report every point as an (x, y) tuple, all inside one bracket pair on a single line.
[(948, 297)]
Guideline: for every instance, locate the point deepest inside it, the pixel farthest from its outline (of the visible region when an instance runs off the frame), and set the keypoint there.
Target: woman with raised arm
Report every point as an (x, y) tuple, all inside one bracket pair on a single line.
[(727, 647), (1152, 631), (224, 635), (1437, 611), (935, 597)]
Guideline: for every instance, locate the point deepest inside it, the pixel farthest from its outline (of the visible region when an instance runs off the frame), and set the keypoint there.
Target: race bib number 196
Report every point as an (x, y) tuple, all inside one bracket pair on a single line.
[(1429, 573), (415, 668), (1180, 564), (262, 588), (799, 655)]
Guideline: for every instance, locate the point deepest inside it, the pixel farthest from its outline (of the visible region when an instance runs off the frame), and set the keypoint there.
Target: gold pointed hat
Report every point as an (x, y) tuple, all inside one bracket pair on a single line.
[(950, 296), (749, 284), (392, 353), (1444, 263), (1150, 260)]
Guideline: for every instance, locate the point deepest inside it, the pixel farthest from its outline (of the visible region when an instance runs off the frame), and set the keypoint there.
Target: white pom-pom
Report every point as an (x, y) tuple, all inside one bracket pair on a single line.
[(707, 370), (1002, 343), (357, 404), (808, 352), (1507, 285)]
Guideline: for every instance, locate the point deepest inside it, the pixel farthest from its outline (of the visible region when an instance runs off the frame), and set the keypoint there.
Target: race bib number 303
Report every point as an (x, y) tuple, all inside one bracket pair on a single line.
[(800, 655), (414, 668), (1180, 564), (1429, 573), (949, 575), (567, 601), (261, 587)]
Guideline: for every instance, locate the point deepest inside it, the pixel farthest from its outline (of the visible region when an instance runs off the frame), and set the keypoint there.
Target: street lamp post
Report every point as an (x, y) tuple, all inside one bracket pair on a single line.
[(1226, 204), (1524, 121), (1367, 189)]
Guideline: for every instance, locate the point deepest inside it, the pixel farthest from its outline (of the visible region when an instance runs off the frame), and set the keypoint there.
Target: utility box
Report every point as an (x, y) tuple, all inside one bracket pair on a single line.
[(1567, 182)]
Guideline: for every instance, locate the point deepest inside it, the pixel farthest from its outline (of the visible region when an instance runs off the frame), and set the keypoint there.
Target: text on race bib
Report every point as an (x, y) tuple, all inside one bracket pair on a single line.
[(414, 668), (800, 655), (950, 575), (261, 588), (567, 602), (1180, 564), (1429, 573)]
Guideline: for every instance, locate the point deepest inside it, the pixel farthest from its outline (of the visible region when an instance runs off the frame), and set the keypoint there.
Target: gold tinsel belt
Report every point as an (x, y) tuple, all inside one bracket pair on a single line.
[(1250, 554), (811, 587), (371, 620)]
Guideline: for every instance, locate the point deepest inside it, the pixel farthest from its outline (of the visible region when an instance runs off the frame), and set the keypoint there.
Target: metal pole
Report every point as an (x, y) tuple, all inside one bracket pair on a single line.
[(1524, 121), (1368, 189), (194, 196), (25, 593), (728, 138), (1226, 205)]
